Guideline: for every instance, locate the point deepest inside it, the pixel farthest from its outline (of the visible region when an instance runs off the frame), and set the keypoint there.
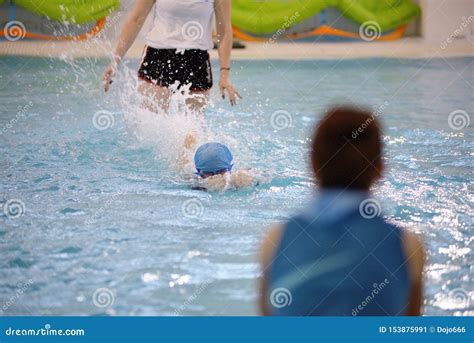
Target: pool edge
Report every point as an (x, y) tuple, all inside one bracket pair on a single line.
[(404, 48)]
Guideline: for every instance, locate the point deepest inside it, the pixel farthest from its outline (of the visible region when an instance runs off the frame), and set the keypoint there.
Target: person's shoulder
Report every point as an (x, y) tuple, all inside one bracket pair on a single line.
[(412, 244), (414, 252), (270, 243)]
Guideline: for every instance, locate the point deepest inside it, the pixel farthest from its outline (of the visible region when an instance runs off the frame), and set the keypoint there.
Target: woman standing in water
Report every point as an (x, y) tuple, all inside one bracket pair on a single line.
[(176, 53)]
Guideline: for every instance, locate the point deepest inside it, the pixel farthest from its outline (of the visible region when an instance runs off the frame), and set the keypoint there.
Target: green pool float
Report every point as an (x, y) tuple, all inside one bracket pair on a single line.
[(72, 11), (261, 18)]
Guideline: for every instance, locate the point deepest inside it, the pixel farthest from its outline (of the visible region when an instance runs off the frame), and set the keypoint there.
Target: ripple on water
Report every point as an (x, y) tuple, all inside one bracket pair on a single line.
[(20, 263), (70, 210), (70, 250)]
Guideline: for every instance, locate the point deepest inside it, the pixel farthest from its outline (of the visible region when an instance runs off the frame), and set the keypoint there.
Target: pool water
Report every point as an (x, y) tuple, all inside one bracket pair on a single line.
[(107, 226)]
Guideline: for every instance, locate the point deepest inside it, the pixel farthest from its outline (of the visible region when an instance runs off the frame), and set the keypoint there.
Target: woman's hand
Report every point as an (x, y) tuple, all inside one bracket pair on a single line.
[(109, 73), (226, 85)]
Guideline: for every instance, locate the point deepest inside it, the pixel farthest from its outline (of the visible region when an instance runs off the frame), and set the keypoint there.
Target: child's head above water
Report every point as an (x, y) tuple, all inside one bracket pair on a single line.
[(346, 149), (212, 159)]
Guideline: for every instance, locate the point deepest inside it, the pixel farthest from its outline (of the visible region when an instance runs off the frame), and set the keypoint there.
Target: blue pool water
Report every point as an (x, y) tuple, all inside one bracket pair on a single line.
[(106, 218)]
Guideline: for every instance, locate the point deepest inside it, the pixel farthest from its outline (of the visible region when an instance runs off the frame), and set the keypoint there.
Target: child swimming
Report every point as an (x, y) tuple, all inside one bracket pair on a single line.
[(337, 257), (213, 164)]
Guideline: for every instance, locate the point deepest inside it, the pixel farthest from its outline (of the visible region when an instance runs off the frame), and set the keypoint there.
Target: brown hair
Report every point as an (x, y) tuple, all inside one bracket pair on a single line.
[(346, 148)]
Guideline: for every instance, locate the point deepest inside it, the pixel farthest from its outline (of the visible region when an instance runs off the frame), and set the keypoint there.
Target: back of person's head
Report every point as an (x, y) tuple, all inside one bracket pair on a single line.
[(346, 149)]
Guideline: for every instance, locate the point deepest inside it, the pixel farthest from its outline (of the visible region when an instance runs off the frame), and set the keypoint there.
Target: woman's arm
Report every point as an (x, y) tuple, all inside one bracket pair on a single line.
[(224, 48), (127, 36)]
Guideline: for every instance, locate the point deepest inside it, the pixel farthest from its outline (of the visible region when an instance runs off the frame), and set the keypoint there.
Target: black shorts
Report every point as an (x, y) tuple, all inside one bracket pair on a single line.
[(164, 67)]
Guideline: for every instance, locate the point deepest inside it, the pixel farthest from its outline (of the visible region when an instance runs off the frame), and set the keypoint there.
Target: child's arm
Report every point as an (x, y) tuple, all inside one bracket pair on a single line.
[(238, 179), (242, 178), (216, 183), (415, 255), (185, 162)]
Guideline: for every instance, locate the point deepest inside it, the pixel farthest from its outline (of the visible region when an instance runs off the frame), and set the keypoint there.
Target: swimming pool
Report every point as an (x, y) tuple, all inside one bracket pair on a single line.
[(109, 228)]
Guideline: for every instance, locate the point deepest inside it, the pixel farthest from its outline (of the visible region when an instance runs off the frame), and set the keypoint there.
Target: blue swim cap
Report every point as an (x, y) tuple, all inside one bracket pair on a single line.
[(212, 157)]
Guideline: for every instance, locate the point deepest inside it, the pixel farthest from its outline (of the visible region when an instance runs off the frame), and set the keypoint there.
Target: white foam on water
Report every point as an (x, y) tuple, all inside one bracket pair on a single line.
[(164, 131)]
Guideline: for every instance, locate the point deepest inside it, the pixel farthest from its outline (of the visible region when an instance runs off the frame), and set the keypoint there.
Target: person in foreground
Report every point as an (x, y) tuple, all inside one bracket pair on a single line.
[(213, 163), (339, 257)]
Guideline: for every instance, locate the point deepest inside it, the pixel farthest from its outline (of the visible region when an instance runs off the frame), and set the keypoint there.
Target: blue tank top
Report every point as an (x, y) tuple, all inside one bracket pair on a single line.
[(332, 261)]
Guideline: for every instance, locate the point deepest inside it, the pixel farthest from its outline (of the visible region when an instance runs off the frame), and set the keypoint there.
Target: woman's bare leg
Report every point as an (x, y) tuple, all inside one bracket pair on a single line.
[(156, 98), (197, 104), (198, 101)]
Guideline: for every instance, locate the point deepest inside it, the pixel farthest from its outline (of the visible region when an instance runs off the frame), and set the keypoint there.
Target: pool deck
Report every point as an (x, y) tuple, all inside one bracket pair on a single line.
[(404, 48)]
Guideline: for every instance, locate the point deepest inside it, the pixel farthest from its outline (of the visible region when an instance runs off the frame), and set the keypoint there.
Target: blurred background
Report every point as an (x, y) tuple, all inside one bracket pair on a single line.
[(256, 24)]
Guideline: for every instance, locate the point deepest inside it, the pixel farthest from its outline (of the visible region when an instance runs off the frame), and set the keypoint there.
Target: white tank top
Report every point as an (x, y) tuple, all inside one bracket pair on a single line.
[(182, 24)]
